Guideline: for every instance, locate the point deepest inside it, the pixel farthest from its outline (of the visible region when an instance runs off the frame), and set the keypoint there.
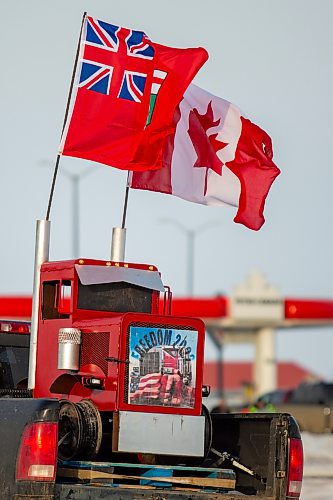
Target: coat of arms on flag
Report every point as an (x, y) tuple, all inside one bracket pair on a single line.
[(128, 88)]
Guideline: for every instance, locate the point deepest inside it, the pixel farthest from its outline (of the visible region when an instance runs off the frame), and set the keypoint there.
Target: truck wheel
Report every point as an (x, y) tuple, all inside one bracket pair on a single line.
[(80, 430), (93, 431), (70, 431)]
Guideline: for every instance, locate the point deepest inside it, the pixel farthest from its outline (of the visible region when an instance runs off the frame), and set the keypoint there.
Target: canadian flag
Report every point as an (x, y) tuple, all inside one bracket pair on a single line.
[(215, 156)]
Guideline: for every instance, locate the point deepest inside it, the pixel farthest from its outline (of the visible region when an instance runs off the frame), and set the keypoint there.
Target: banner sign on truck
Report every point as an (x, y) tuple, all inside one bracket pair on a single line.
[(162, 366)]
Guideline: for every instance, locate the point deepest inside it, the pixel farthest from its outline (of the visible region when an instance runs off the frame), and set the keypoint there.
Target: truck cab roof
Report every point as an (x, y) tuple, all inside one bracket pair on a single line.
[(94, 287)]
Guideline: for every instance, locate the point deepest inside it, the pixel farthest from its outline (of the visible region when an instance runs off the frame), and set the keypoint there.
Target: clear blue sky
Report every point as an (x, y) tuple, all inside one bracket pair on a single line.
[(273, 59)]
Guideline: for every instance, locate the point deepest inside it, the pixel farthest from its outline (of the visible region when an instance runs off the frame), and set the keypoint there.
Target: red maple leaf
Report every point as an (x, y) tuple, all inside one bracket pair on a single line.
[(206, 145)]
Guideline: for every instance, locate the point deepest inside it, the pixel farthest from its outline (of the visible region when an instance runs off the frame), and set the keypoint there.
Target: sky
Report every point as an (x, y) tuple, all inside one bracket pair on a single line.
[(273, 59)]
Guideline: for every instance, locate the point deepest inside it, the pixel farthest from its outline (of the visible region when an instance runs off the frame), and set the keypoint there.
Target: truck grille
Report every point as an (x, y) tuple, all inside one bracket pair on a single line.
[(95, 349)]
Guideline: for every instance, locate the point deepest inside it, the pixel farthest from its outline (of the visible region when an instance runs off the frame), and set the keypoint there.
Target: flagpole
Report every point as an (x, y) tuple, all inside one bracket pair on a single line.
[(56, 167), (118, 241), (42, 244), (125, 203)]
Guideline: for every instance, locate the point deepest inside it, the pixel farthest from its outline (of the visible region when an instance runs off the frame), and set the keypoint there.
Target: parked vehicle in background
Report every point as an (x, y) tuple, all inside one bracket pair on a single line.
[(311, 403), (312, 406), (278, 397), (273, 398), (265, 403)]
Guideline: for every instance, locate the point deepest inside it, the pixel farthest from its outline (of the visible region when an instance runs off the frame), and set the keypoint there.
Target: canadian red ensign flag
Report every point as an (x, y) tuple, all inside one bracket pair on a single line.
[(127, 91), (216, 156)]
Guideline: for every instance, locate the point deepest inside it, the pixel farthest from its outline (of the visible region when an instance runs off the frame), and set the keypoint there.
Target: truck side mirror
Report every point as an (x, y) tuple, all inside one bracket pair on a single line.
[(205, 391)]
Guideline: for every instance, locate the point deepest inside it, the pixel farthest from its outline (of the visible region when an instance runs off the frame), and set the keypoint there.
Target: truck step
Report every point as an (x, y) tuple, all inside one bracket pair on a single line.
[(147, 476)]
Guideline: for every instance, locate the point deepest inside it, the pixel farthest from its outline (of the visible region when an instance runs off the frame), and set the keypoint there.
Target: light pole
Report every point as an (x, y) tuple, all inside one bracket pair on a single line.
[(75, 202), (75, 199), (190, 236)]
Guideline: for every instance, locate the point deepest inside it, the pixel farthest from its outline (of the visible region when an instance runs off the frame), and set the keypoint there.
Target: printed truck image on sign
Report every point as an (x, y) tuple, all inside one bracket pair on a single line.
[(162, 368)]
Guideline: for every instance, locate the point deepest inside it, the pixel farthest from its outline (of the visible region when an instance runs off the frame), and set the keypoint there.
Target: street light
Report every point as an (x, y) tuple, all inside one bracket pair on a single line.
[(190, 235), (75, 183), (75, 192)]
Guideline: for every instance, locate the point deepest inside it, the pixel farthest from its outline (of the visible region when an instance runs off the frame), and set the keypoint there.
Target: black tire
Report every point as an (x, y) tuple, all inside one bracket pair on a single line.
[(80, 430), (93, 432), (208, 430), (70, 431)]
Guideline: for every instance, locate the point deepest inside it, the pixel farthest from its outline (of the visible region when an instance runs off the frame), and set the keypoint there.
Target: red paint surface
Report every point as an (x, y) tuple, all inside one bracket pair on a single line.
[(308, 309), (104, 335), (202, 307), (217, 307), (15, 307)]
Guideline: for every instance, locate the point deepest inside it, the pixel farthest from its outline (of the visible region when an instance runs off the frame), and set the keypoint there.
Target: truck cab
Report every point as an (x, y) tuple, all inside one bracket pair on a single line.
[(104, 348)]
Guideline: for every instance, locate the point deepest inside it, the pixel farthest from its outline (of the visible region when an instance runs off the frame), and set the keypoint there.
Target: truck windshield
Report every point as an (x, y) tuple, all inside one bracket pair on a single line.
[(115, 297)]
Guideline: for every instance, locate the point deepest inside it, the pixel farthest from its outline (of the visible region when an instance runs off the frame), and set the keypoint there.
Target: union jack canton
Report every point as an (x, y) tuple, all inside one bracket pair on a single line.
[(114, 60)]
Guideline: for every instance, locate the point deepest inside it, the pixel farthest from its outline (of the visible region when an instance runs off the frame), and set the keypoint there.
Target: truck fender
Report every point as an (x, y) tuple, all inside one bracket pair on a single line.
[(64, 383)]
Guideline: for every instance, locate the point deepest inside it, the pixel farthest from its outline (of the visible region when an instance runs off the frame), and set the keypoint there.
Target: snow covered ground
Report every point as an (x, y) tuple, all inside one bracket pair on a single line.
[(318, 467)]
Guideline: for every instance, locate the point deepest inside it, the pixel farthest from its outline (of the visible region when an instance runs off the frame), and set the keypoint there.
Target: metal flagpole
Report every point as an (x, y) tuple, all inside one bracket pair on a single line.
[(43, 241), (65, 118), (125, 205), (41, 256), (119, 233)]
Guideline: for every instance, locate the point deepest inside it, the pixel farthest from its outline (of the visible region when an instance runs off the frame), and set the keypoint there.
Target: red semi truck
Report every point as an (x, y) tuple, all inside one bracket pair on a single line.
[(119, 387)]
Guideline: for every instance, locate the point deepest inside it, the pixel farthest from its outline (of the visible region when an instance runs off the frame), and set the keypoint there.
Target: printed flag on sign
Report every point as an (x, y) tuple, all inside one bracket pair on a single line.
[(125, 81), (215, 156)]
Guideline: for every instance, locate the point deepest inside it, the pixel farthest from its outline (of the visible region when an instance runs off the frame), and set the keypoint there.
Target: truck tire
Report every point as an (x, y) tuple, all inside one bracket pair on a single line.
[(93, 432), (70, 431), (80, 430)]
